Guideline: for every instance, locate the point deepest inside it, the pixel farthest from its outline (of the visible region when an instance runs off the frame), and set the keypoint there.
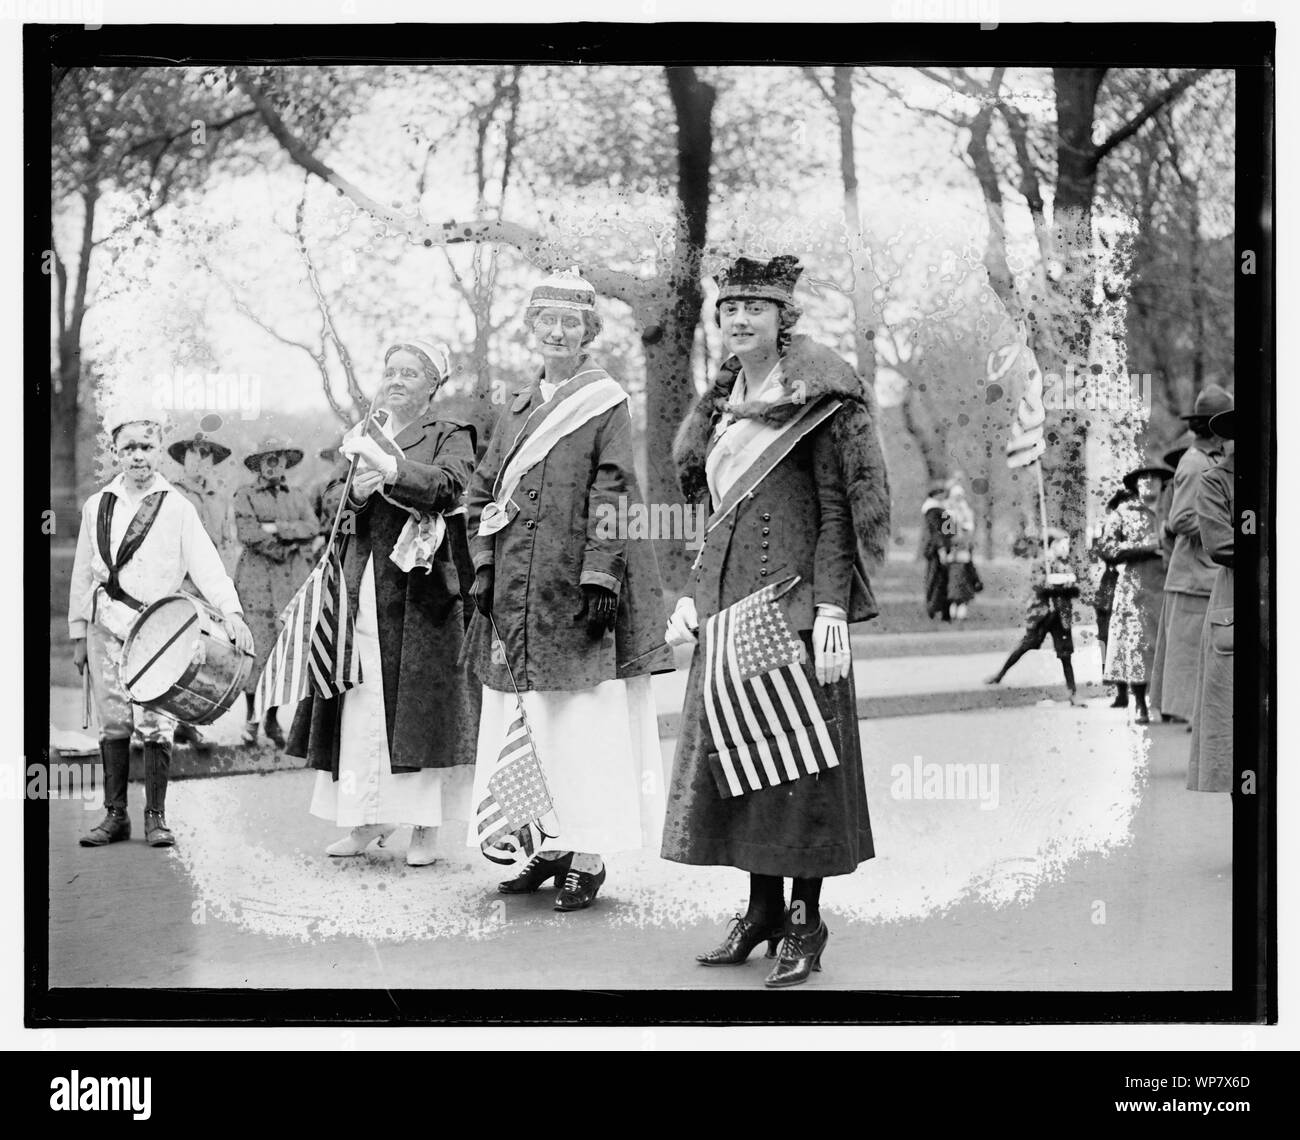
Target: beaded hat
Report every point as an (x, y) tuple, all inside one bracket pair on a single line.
[(752, 280), (566, 290)]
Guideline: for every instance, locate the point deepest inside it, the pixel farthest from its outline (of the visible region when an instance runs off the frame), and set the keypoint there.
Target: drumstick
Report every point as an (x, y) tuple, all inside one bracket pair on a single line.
[(85, 697)]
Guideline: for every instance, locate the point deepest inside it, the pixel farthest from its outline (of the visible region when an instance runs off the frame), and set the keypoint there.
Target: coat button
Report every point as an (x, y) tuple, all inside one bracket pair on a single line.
[(764, 558), (530, 523), (767, 517), (766, 531), (763, 573), (532, 494), (765, 544)]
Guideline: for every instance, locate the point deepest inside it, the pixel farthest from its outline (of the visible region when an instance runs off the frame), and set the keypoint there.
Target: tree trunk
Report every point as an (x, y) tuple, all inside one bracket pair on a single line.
[(671, 310), (65, 399)]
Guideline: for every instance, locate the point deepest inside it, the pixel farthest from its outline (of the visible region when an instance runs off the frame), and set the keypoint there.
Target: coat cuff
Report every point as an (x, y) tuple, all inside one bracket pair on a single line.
[(597, 578), (484, 558), (76, 630)]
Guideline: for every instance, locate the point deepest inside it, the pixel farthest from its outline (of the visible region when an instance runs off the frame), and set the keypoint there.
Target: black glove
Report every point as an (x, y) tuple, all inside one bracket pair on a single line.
[(600, 608), (485, 578)]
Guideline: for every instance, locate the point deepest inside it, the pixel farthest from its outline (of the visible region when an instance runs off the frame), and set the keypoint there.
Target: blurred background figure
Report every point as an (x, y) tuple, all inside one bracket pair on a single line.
[(276, 524), (1210, 767), (936, 538), (963, 578), (1104, 598), (1192, 573)]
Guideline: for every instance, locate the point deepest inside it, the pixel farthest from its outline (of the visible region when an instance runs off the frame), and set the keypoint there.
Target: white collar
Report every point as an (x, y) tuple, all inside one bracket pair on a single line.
[(119, 487)]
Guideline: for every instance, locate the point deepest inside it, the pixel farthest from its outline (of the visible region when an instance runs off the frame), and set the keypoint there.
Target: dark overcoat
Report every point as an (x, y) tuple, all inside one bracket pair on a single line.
[(566, 535), (431, 704), (1210, 769), (822, 513)]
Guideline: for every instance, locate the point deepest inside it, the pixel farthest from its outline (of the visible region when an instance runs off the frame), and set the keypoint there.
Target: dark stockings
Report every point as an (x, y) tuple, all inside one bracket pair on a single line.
[(767, 902), (1067, 667), (805, 904), (1016, 654), (1140, 696)]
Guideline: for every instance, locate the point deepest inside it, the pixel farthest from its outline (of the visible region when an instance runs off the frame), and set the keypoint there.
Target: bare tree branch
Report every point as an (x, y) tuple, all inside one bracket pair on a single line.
[(1149, 108), (543, 251)]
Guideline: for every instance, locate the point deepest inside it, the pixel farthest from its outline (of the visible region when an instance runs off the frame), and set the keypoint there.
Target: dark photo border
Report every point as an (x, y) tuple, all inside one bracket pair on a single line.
[(1246, 47)]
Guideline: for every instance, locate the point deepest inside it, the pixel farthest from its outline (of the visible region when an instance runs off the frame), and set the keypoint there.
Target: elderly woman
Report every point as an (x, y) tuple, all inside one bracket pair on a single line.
[(396, 749), (784, 449), (570, 607), (1130, 539), (1210, 767), (963, 578), (275, 525)]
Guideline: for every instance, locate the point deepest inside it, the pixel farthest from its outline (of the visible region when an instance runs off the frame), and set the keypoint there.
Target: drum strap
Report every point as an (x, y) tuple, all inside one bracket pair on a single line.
[(136, 533)]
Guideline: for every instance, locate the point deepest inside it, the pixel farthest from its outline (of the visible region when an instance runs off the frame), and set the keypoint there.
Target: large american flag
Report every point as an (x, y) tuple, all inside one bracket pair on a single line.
[(508, 818), (762, 714), (1027, 443), (315, 646)]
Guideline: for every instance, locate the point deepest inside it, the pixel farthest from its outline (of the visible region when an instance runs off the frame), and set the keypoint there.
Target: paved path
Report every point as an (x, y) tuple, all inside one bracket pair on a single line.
[(1092, 868)]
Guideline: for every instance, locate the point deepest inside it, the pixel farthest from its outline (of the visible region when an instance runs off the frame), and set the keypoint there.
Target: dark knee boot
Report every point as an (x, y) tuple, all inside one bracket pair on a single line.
[(115, 826), (157, 765)]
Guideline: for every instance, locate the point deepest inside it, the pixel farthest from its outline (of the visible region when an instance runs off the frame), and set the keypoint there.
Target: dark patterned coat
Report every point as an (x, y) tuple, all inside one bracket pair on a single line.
[(556, 545), (823, 513), (431, 704)]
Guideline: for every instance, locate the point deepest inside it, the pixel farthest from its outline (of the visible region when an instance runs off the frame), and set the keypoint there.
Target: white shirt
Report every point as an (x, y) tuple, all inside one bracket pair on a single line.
[(177, 544)]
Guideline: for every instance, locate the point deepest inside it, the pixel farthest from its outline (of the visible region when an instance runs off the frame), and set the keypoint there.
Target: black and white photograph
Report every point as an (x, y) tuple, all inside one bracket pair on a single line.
[(546, 511)]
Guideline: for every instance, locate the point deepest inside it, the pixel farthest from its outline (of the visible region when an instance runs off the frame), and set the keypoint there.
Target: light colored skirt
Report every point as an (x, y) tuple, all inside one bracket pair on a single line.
[(368, 790), (1178, 653), (599, 749)]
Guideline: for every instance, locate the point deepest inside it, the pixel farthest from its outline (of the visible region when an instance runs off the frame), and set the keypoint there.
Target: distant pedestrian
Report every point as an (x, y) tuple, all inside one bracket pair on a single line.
[(1104, 599), (963, 577), (276, 525), (936, 540), (1131, 539), (1210, 767), (1192, 573), (1053, 588)]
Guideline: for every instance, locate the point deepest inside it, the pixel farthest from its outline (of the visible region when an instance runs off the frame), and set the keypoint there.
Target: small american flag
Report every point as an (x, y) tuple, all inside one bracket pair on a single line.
[(762, 714), (508, 819), (314, 649)]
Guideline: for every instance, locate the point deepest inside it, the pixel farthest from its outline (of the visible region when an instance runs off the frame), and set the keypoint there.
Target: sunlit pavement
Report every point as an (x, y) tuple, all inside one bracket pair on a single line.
[(1070, 857)]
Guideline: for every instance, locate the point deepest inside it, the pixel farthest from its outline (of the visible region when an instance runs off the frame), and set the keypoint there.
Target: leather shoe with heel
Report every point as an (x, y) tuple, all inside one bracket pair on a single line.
[(800, 955), (536, 871), (579, 889), (740, 941)]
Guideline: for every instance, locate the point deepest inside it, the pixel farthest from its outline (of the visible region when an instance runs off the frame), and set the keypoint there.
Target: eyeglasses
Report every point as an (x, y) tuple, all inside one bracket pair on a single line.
[(404, 373)]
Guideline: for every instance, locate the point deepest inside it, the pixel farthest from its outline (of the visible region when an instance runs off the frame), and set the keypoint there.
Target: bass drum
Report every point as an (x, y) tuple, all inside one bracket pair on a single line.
[(179, 661)]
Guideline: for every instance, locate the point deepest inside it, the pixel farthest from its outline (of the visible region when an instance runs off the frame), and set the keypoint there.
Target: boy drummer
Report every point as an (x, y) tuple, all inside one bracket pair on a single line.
[(138, 540)]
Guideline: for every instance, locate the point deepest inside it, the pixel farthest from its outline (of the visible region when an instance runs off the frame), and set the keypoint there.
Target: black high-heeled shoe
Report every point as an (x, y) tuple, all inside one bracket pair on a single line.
[(536, 872), (742, 936), (800, 955)]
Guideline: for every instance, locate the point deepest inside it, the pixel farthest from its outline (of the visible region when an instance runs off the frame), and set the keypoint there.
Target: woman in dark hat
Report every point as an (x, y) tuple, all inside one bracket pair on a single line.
[(198, 455), (1130, 538), (784, 451), (936, 541), (276, 524), (1210, 767), (1191, 572)]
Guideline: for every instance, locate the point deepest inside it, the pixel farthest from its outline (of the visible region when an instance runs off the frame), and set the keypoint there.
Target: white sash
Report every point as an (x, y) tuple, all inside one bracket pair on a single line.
[(585, 404)]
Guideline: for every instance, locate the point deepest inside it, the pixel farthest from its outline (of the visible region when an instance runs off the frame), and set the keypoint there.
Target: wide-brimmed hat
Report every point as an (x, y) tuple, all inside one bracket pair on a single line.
[(749, 279), (274, 443), (1131, 479), (1118, 497), (1224, 425), (1210, 401), (565, 290), (198, 440)]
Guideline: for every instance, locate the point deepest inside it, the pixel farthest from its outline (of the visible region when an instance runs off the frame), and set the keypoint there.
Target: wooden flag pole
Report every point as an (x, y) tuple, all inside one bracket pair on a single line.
[(347, 484), (1042, 513)]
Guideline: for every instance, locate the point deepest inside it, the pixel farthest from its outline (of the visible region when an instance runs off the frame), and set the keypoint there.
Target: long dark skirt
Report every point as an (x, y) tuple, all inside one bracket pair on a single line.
[(809, 828), (936, 588), (963, 582)]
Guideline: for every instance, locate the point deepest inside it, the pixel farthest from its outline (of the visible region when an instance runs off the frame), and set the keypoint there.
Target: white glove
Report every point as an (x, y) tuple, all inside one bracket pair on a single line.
[(832, 657), (683, 625), (369, 452)]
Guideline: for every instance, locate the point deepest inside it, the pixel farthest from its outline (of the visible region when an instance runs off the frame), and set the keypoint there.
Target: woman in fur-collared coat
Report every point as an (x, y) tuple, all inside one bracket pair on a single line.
[(785, 452)]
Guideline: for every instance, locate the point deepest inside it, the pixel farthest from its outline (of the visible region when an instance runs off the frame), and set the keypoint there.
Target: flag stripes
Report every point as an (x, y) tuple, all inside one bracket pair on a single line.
[(760, 709), (507, 819), (314, 650)]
